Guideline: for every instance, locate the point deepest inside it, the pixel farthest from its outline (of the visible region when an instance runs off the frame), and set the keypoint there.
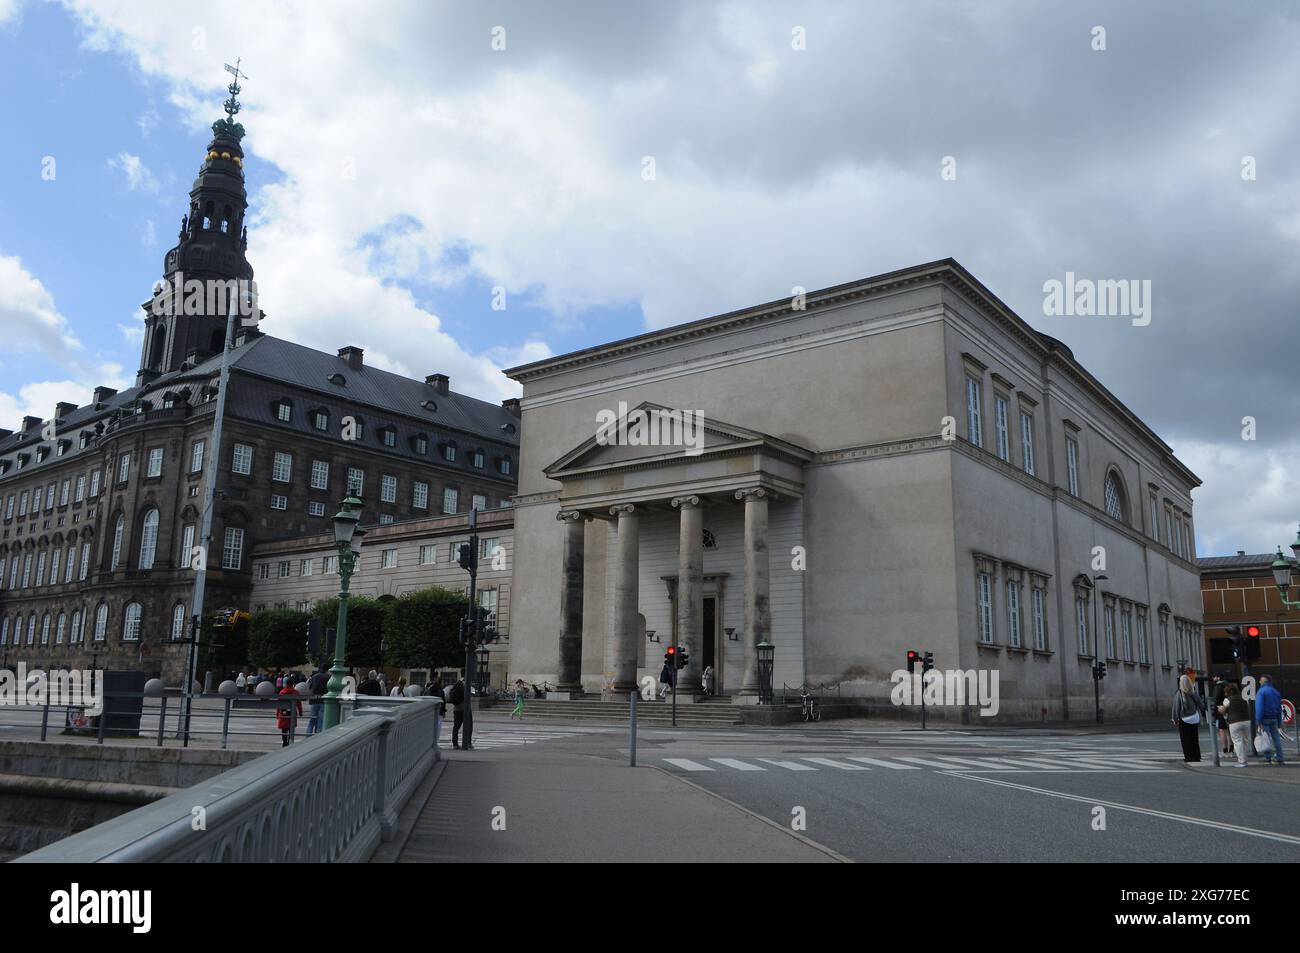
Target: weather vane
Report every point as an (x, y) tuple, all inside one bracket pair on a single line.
[(228, 126)]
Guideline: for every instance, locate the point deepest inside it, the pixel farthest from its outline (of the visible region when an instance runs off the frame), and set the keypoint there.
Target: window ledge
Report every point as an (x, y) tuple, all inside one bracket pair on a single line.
[(993, 647), (1046, 653), (1017, 650)]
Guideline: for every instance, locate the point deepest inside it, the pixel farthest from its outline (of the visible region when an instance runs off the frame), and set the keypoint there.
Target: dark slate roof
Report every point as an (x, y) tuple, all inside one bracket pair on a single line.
[(69, 427), (1256, 561), (302, 367)]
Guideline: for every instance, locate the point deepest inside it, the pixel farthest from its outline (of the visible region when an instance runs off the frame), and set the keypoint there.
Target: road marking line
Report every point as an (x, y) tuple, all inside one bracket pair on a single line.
[(1198, 821), (884, 764), (687, 765), (832, 763), (788, 765), (987, 764), (1111, 763), (1040, 763), (737, 764), (934, 764)]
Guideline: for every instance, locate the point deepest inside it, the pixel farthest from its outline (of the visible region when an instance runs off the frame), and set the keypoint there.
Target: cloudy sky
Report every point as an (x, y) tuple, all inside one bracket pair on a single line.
[(403, 165)]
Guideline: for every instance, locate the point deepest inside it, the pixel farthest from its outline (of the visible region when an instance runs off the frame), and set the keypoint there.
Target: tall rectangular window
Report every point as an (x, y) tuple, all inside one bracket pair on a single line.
[(281, 467), (94, 483), (356, 480), (123, 468), (974, 426), (9, 507), (1072, 464), (388, 489), (1155, 517), (449, 500), (283, 569), (1000, 417), (196, 456), (479, 502), (54, 566), (22, 503), (85, 562), (155, 463), (232, 548), (40, 568), (320, 475), (388, 559), (49, 496), (80, 493), (65, 490), (1040, 620), (1013, 613), (1126, 633), (1144, 651), (1027, 443), (241, 460), (1109, 613), (986, 607), (27, 570), (187, 546), (428, 554), (420, 496), (1189, 551), (70, 565), (305, 566)]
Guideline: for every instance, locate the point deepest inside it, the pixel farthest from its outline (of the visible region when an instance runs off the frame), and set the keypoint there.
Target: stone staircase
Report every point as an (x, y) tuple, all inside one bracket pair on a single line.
[(714, 713)]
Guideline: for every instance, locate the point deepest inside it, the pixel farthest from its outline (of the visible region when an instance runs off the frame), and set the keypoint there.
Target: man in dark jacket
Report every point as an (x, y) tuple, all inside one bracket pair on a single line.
[(317, 688), (370, 686), (456, 698)]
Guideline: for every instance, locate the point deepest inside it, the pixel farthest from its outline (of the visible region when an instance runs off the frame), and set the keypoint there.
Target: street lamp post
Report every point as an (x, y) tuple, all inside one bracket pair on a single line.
[(1096, 645), (347, 539), (1282, 573)]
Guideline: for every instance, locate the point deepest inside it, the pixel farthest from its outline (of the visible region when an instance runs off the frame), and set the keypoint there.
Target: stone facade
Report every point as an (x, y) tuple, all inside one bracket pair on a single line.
[(903, 464)]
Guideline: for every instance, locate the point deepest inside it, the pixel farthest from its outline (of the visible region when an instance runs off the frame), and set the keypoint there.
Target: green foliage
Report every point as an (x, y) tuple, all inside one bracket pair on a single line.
[(366, 619), (227, 648), (423, 628), (278, 638)]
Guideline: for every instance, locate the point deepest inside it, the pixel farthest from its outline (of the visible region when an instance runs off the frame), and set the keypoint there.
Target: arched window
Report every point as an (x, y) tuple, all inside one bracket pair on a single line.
[(101, 622), (449, 451), (31, 629), (131, 622), (61, 628), (148, 539), (225, 219), (207, 215), (506, 464), (178, 622), (4, 631), (1116, 504), (45, 629), (118, 532)]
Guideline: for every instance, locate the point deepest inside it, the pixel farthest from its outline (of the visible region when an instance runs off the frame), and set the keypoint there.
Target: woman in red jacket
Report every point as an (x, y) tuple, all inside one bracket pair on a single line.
[(284, 714)]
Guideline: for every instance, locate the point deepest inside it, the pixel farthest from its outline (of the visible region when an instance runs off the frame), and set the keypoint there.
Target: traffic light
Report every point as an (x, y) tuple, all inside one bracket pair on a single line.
[(1099, 671), (927, 662), (683, 659), (487, 625), (314, 631), (467, 557), (1252, 643), (670, 656), (913, 657)]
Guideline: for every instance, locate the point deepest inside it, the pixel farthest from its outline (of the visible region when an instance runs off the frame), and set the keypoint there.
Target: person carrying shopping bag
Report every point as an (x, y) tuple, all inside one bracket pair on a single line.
[(1268, 712), (1186, 714)]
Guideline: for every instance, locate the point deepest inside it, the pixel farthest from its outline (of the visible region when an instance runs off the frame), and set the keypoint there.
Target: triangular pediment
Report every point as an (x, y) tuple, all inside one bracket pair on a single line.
[(650, 434)]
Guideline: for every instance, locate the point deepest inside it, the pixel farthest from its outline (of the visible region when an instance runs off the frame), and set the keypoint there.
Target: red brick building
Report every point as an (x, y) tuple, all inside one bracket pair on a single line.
[(1239, 590)]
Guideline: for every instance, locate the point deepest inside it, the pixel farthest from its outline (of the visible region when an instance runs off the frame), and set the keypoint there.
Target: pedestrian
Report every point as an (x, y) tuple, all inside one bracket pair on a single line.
[(1235, 713), (1220, 691), (519, 699), (398, 690), (666, 676), (1268, 712), (370, 685), (1186, 714), (456, 698), (318, 686), (383, 683), (285, 715), (707, 680), (241, 682)]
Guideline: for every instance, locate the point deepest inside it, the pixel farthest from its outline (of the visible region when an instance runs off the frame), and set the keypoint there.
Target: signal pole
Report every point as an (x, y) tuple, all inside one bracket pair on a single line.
[(471, 632)]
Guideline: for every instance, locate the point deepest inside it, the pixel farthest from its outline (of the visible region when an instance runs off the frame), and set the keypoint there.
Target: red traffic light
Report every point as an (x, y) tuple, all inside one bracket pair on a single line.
[(913, 656), (672, 650), (1252, 631)]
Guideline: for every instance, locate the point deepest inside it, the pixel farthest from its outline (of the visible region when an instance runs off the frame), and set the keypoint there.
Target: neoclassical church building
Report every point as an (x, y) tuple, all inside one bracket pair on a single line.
[(102, 503), (903, 463)]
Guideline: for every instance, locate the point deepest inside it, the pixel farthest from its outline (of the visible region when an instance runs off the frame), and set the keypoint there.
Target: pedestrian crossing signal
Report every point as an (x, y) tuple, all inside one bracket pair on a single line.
[(913, 657), (927, 663)]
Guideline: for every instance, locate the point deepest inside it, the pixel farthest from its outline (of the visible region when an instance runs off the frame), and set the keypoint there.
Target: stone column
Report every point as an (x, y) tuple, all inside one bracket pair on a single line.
[(569, 673), (758, 610), (626, 599), (690, 591)]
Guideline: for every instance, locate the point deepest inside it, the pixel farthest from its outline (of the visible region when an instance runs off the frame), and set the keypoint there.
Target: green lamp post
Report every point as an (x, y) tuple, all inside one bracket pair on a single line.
[(1282, 573), (347, 539)]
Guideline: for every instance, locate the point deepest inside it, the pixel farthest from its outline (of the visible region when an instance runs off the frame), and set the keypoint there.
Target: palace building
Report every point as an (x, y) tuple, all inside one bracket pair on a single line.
[(899, 463), (102, 504)]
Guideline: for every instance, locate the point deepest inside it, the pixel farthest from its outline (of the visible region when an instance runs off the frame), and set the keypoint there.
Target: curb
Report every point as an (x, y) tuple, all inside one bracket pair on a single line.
[(1270, 775)]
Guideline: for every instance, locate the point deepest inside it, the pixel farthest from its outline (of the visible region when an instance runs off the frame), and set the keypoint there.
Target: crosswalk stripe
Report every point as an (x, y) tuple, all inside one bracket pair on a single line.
[(929, 763), (1038, 763), (832, 763), (884, 764), (688, 765), (987, 764), (738, 764), (1113, 763), (788, 765)]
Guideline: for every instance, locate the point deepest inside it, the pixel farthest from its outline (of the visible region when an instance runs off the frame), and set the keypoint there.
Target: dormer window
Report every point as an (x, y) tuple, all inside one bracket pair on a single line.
[(169, 402), (449, 451), (62, 447), (506, 466), (42, 453), (429, 405), (283, 411), (420, 443), (84, 440), (320, 419), (22, 460), (389, 436), (477, 459), (337, 379), (359, 428), (509, 428)]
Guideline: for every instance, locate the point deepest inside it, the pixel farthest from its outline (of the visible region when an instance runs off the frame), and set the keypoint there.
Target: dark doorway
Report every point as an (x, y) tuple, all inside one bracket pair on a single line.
[(709, 636)]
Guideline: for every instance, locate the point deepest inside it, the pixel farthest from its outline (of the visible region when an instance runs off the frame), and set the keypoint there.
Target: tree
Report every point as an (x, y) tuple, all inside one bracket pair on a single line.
[(423, 628), (278, 638), (226, 647), (365, 629)]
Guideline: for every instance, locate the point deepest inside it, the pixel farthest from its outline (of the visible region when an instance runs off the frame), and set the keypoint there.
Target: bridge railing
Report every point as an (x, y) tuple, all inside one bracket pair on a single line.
[(332, 798)]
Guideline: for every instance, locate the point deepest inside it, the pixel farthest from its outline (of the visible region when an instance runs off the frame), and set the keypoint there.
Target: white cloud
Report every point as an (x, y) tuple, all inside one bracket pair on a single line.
[(148, 237), (9, 10), (138, 176), (32, 322)]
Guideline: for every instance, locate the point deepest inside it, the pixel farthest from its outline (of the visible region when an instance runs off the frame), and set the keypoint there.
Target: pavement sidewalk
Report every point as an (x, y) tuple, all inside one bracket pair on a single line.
[(558, 807)]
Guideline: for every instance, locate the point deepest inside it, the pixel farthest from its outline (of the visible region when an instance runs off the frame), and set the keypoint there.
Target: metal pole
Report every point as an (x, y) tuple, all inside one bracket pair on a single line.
[(471, 637), (334, 688), (923, 697), (210, 471), (162, 718), (225, 723), (45, 714), (1096, 649), (632, 763), (191, 664)]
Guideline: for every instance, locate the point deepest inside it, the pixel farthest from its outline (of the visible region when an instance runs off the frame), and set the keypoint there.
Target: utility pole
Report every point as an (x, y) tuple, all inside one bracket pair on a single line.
[(210, 470), (471, 634)]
